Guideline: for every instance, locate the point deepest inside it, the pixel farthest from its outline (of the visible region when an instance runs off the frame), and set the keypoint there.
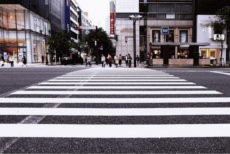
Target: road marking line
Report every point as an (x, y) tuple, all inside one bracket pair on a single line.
[(118, 100), (218, 72), (179, 92), (95, 80), (117, 87), (114, 131), (117, 83), (114, 77), (115, 111)]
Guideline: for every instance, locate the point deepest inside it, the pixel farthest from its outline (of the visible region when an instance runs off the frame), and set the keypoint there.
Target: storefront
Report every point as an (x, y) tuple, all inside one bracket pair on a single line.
[(22, 33), (178, 54)]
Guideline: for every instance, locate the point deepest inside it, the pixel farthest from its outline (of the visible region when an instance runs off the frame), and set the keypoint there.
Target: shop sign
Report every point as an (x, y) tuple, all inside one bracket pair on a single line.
[(165, 30), (20, 55), (218, 37)]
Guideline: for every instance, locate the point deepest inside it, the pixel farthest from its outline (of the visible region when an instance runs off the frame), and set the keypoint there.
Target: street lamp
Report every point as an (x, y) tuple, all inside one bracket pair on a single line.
[(134, 18)]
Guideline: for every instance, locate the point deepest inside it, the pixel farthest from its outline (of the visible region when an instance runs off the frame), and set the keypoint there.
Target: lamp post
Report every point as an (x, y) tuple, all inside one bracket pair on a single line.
[(134, 18), (145, 28)]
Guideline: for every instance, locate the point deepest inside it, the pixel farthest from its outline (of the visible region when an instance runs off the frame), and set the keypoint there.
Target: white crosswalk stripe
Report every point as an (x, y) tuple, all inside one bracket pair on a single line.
[(102, 92)]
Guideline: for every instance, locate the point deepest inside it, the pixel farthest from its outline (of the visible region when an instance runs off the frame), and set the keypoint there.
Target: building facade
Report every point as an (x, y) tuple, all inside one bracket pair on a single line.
[(72, 19), (124, 27), (163, 22), (205, 14), (25, 26), (171, 32)]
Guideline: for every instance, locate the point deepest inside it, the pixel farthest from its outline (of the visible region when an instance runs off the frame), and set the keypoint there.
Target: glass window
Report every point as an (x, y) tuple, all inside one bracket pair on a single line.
[(156, 35), (183, 36), (170, 37)]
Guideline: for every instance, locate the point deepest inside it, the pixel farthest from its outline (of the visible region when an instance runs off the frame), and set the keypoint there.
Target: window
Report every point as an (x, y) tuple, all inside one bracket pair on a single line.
[(183, 36), (170, 37), (156, 35)]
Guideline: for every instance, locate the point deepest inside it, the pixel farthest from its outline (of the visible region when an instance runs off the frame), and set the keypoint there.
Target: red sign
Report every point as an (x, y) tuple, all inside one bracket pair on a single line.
[(112, 23)]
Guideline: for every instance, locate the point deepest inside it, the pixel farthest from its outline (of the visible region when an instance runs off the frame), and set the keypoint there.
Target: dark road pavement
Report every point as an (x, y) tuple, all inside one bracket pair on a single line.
[(115, 110)]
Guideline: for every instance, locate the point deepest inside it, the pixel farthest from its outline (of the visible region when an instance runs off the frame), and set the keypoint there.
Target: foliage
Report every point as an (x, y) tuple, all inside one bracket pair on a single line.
[(224, 15), (218, 27), (61, 43), (102, 39)]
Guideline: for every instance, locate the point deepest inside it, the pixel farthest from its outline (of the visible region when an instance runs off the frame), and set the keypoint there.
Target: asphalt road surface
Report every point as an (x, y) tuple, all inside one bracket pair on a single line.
[(114, 110)]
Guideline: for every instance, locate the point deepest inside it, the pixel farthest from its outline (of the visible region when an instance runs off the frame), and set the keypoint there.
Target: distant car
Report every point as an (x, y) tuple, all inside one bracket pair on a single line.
[(65, 60)]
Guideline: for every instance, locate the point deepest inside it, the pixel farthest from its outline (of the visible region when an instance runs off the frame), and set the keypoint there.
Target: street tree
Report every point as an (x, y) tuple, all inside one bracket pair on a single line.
[(223, 15), (100, 43), (61, 43)]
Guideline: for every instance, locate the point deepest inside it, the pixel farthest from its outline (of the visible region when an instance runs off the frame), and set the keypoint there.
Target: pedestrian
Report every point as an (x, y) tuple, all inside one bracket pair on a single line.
[(11, 60), (126, 60), (24, 61), (2, 61), (110, 60), (129, 59), (103, 60), (88, 60), (120, 60), (138, 60), (116, 61), (42, 59)]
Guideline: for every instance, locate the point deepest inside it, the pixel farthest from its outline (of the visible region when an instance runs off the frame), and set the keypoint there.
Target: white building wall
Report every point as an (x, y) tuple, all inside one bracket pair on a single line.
[(125, 6), (205, 34), (124, 30)]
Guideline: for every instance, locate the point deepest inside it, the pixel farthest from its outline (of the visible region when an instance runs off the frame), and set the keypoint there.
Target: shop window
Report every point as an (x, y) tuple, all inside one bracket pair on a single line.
[(183, 36), (183, 53), (204, 53), (156, 35)]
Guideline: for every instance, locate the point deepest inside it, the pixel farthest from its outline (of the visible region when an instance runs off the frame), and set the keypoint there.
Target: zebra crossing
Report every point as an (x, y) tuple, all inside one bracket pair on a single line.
[(122, 93)]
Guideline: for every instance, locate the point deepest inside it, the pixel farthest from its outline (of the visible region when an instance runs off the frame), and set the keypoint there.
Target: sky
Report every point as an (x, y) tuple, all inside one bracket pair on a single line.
[(98, 11)]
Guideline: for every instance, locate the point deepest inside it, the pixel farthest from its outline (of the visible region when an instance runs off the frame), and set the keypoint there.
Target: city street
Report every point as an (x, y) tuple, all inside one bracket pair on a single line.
[(73, 109)]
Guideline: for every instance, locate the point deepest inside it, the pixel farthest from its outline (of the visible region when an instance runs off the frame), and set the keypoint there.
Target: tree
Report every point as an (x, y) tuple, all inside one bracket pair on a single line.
[(223, 15), (61, 43), (99, 41)]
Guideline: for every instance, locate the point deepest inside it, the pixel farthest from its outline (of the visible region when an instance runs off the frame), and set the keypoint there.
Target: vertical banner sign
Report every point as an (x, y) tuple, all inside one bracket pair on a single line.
[(112, 23), (67, 15)]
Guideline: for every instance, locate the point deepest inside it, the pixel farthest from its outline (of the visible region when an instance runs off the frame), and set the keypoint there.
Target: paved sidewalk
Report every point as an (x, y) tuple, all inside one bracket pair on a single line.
[(20, 65)]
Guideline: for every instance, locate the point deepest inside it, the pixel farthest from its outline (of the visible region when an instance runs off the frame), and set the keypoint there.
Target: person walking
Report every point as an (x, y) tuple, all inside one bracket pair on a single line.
[(2, 61), (11, 60), (138, 60), (110, 60), (88, 60), (24, 61), (126, 60), (129, 58), (116, 61), (103, 60), (120, 60)]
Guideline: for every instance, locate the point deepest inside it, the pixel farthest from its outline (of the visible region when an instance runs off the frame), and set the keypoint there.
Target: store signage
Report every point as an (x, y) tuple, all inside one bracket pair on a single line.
[(20, 55), (112, 23), (5, 55), (218, 37), (165, 30)]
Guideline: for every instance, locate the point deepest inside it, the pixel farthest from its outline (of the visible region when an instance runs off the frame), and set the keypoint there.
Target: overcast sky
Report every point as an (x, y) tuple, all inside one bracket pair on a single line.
[(98, 11)]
